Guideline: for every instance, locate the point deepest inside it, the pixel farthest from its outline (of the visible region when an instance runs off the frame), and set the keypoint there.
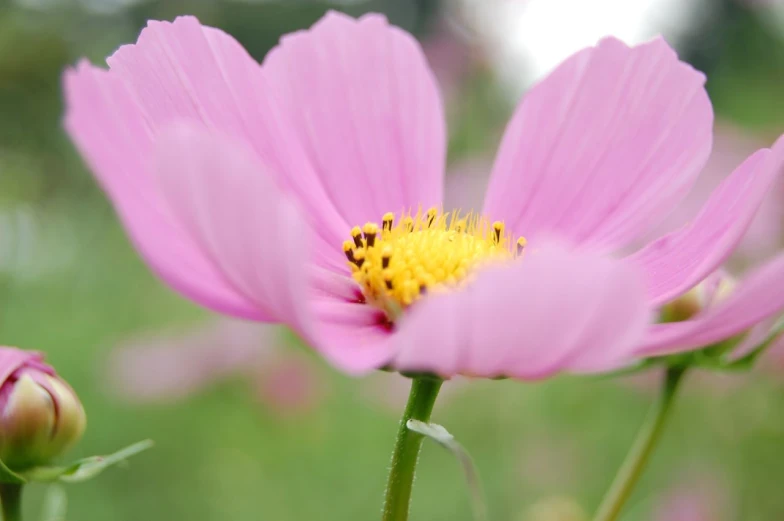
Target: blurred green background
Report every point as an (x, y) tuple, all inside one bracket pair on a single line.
[(71, 286)]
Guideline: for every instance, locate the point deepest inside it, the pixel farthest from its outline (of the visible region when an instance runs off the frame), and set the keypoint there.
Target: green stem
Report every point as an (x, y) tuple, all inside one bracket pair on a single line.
[(638, 456), (404, 459), (11, 501)]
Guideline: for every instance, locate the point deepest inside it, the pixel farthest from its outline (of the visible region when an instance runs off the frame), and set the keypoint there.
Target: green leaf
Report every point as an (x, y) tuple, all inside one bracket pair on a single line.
[(441, 436), (9, 476), (86, 468)]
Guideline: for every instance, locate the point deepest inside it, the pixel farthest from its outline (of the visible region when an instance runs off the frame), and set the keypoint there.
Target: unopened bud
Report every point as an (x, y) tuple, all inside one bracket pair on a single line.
[(40, 415), (702, 296)]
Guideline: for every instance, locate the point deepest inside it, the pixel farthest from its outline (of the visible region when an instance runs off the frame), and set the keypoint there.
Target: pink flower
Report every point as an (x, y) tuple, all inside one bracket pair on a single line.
[(171, 367), (290, 384), (700, 498), (164, 367), (240, 184)]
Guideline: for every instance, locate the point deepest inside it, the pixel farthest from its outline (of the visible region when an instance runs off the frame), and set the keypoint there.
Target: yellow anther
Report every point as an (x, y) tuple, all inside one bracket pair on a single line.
[(422, 253), (370, 230), (348, 249), (356, 234), (387, 220), (386, 256), (498, 230), (431, 216), (359, 258), (389, 276), (521, 242)]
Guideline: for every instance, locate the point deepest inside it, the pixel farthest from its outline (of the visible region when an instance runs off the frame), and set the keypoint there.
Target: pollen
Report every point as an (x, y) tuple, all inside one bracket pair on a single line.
[(413, 254)]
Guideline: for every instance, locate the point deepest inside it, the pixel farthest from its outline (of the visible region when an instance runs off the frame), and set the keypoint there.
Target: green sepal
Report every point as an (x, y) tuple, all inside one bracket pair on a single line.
[(86, 468), (715, 357), (9, 476), (639, 367), (718, 357)]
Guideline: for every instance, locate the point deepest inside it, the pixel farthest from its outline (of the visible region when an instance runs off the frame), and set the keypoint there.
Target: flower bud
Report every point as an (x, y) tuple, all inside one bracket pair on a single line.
[(40, 415), (704, 295)]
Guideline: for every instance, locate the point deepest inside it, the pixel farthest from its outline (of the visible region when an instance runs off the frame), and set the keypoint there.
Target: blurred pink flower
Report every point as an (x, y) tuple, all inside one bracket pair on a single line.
[(291, 384), (239, 184), (170, 367), (700, 498)]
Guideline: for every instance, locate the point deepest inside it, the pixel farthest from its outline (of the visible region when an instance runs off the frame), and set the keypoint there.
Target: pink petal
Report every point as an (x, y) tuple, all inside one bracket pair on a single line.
[(185, 71), (758, 297), (112, 134), (253, 233), (678, 261), (12, 358), (731, 146), (352, 336), (604, 147), (367, 111), (553, 311), (757, 335)]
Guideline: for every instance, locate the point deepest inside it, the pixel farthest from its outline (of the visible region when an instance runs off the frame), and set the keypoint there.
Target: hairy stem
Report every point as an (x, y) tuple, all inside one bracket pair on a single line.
[(406, 454)]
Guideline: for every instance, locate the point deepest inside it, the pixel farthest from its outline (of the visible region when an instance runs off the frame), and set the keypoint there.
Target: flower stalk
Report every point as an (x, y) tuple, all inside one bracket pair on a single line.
[(420, 404), (642, 449), (11, 501)]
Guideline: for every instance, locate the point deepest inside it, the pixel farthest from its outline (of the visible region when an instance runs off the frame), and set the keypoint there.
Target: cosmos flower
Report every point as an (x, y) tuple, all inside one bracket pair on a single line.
[(307, 191)]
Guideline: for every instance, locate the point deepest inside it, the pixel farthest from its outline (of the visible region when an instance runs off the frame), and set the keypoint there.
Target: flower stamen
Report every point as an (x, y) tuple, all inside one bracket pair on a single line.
[(404, 259)]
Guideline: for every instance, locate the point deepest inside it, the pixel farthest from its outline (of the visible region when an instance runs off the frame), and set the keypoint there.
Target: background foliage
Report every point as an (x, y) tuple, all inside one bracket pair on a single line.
[(72, 287)]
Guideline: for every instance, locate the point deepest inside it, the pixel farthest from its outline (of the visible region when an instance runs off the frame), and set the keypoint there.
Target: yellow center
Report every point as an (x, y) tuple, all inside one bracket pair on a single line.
[(402, 260)]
